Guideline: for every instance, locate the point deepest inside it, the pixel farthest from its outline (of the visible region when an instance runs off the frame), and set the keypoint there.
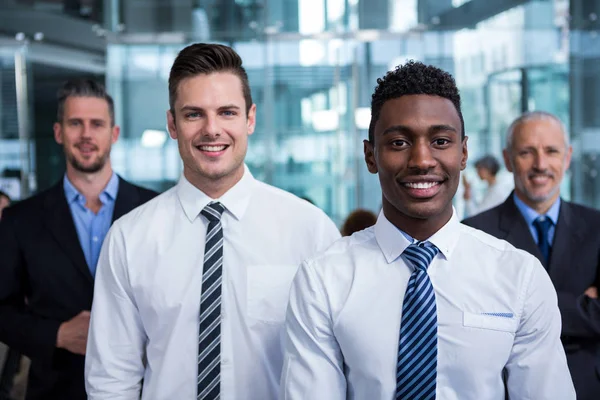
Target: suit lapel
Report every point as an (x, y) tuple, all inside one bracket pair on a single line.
[(515, 228), (60, 223), (565, 238), (127, 199)]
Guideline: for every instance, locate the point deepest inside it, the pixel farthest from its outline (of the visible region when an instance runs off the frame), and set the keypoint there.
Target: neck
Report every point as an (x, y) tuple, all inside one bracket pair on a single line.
[(541, 207), (418, 228), (90, 185), (491, 180), (214, 188)]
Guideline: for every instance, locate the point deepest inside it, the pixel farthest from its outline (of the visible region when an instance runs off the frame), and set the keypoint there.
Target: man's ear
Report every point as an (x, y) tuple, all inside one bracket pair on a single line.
[(507, 162), (57, 133), (465, 154), (370, 156), (171, 125)]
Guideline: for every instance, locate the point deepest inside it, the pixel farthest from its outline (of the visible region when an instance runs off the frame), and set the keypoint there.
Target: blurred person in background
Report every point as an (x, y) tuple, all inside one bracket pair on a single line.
[(4, 202), (357, 221), (496, 191), (51, 243), (192, 287), (562, 235)]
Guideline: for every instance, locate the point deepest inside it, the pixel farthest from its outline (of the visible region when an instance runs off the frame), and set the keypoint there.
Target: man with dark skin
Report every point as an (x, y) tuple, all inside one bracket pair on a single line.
[(420, 306)]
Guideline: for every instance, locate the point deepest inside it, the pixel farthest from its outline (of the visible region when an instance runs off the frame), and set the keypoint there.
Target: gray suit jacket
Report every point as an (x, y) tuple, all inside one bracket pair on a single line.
[(574, 266)]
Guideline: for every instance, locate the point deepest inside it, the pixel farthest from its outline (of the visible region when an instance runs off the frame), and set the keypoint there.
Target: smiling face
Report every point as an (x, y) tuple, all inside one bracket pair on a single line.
[(86, 133), (418, 153), (538, 158), (212, 129)]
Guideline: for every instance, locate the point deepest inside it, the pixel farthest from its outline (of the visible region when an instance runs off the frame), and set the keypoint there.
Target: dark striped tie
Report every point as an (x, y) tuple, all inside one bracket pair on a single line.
[(209, 348), (417, 351)]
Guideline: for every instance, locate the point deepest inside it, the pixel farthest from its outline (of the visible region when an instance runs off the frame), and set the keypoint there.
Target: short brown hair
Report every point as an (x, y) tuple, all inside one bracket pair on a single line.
[(83, 88), (205, 58)]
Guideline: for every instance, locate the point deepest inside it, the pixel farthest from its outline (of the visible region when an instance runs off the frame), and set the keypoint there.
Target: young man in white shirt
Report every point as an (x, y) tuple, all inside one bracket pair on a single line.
[(420, 306), (191, 290)]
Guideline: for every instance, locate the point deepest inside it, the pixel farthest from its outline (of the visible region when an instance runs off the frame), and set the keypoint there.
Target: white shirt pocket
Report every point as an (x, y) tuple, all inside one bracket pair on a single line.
[(268, 291), (493, 322)]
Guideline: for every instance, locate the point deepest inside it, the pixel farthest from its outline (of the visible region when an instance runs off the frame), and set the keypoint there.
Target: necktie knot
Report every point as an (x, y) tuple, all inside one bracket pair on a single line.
[(420, 254), (213, 211), (542, 224)]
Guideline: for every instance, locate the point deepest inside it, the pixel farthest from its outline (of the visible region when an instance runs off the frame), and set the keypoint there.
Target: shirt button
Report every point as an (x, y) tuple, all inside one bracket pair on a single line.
[(95, 238)]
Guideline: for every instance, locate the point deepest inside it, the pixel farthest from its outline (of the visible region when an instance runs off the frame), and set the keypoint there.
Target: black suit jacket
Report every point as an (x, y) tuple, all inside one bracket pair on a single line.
[(42, 261), (574, 266)]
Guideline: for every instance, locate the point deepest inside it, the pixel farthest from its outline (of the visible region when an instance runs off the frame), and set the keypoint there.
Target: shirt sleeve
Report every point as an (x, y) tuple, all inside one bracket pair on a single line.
[(328, 233), (537, 366), (313, 362), (114, 362)]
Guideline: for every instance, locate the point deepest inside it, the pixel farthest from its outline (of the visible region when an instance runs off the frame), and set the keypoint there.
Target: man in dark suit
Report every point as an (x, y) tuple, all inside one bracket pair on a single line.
[(562, 235), (51, 242)]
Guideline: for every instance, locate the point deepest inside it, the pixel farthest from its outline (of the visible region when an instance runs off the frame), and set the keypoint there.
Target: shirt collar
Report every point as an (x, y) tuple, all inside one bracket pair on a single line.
[(235, 200), (109, 193), (393, 241), (531, 215)]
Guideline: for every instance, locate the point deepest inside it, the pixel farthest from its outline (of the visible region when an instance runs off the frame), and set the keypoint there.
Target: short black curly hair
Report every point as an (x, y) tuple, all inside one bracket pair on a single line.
[(414, 77)]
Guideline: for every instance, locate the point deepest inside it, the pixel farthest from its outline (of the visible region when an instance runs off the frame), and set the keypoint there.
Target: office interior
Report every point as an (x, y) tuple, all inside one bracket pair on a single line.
[(313, 65)]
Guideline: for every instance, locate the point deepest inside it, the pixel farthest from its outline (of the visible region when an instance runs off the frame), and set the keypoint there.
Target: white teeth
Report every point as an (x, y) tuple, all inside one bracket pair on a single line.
[(212, 148), (421, 185)]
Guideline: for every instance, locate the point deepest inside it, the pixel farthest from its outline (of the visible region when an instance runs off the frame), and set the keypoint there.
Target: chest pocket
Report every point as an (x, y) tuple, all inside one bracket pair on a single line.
[(503, 323), (268, 291)]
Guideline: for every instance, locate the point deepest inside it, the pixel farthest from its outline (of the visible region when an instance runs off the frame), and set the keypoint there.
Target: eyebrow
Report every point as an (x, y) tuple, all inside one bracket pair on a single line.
[(406, 129), (78, 119), (196, 108)]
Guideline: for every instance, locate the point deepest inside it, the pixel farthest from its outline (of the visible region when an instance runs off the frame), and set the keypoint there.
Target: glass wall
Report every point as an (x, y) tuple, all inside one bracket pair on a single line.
[(313, 65)]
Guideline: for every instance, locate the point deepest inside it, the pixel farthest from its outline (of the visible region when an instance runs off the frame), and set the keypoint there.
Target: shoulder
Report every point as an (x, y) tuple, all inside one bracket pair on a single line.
[(484, 219), (347, 253), (476, 243), (583, 211), (27, 209), (143, 193), (283, 204), (149, 213)]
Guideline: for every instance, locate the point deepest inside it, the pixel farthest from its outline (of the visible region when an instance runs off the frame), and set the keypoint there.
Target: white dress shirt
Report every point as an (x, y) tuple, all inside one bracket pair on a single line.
[(496, 309), (146, 307)]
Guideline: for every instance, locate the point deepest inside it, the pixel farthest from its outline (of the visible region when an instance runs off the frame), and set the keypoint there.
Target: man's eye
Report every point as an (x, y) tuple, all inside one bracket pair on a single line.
[(441, 142)]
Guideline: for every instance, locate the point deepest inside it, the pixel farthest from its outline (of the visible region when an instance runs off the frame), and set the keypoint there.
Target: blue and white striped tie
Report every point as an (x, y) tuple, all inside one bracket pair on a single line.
[(209, 343), (417, 351)]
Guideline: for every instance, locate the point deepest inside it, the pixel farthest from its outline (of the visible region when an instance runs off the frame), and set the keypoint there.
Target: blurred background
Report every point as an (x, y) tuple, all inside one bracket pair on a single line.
[(313, 65)]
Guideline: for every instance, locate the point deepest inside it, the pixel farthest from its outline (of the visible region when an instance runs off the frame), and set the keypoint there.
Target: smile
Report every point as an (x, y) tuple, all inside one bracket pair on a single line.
[(421, 185), (212, 148), (422, 190)]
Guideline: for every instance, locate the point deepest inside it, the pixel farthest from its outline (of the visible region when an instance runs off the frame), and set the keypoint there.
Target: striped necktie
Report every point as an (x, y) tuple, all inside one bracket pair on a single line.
[(417, 351), (209, 347)]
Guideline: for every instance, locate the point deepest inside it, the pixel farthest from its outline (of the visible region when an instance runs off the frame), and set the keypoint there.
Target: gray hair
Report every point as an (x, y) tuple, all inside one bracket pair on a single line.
[(530, 116), (83, 88)]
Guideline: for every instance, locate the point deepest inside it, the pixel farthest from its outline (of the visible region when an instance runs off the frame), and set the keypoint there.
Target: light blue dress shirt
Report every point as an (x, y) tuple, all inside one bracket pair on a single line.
[(531, 215), (92, 228)]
